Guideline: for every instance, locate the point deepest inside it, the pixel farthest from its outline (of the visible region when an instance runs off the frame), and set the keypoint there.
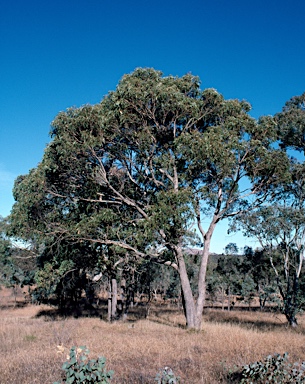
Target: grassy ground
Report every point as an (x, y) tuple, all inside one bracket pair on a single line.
[(137, 349)]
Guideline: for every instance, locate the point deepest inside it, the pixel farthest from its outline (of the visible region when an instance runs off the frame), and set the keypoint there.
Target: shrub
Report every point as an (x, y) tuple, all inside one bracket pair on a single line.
[(273, 369), (79, 369), (167, 376)]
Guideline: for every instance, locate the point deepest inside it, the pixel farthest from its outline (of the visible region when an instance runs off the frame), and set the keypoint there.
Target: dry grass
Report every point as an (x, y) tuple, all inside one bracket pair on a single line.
[(137, 350)]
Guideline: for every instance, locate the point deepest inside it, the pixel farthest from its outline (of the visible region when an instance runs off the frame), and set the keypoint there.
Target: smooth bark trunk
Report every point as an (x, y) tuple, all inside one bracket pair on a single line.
[(109, 302), (202, 278), (124, 303), (187, 294), (222, 298), (114, 300), (194, 309), (229, 299)]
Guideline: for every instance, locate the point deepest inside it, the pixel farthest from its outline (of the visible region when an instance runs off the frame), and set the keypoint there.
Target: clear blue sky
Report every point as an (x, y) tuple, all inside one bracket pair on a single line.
[(66, 53)]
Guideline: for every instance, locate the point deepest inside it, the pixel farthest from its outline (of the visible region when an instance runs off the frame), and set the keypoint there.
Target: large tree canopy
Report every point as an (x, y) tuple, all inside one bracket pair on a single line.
[(154, 166)]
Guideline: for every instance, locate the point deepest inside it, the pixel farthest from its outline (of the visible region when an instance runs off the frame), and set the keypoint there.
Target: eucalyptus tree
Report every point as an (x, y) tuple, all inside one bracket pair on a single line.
[(6, 264), (257, 267), (16, 264), (154, 166), (229, 271), (280, 228)]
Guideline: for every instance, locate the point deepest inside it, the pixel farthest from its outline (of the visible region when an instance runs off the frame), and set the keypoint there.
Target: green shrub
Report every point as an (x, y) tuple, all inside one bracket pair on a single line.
[(273, 369), (79, 369), (167, 376)]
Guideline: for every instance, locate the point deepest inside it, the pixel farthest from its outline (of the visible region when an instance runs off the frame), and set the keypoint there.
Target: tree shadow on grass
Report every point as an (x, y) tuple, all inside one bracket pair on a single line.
[(94, 311), (235, 317), (73, 310), (59, 314), (161, 320), (13, 305), (167, 317)]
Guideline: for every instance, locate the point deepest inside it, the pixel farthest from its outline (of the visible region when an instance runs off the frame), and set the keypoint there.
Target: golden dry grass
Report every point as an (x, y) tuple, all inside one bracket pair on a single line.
[(137, 350)]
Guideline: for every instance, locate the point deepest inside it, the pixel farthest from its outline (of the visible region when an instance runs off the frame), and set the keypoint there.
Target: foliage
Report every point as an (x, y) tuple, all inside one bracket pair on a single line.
[(167, 376), (273, 369), (258, 268), (13, 271), (291, 123), (79, 369), (139, 171), (231, 249), (50, 282), (279, 226), (64, 271), (7, 268), (229, 275), (247, 275)]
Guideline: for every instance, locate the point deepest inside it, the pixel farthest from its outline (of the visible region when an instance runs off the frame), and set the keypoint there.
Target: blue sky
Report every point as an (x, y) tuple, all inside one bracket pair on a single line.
[(59, 54)]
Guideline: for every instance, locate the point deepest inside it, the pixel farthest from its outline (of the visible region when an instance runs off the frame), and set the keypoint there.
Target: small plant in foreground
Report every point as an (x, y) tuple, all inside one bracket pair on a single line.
[(273, 369), (79, 369), (167, 376)]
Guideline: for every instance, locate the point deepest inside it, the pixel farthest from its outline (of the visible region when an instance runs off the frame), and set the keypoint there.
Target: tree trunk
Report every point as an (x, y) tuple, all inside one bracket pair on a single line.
[(124, 303), (193, 311), (290, 299), (114, 300), (187, 294), (109, 301), (15, 291), (290, 314), (291, 318), (202, 277), (183, 302), (293, 322), (222, 298)]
